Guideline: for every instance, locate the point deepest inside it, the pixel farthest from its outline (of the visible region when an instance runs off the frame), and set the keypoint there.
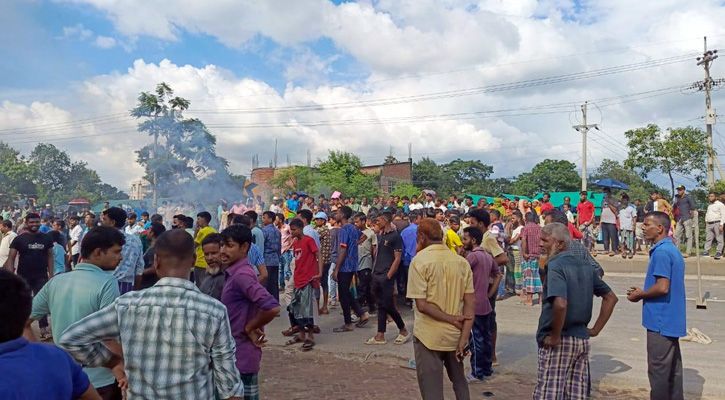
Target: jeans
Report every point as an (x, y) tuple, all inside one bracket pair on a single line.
[(286, 273), (272, 284), (332, 284), (347, 300), (401, 277), (365, 292), (481, 346), (683, 230), (35, 285), (609, 232), (382, 289)]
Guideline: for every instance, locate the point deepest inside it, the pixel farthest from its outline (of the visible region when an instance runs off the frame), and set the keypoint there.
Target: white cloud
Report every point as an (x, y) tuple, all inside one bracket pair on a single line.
[(105, 42), (77, 31)]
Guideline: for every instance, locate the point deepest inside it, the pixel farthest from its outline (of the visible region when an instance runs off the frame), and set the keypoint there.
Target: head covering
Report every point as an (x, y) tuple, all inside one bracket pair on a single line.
[(320, 215), (497, 205)]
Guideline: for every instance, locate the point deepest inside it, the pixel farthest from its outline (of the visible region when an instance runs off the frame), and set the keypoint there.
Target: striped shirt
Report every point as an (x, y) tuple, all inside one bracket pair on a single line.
[(177, 343), (132, 263)]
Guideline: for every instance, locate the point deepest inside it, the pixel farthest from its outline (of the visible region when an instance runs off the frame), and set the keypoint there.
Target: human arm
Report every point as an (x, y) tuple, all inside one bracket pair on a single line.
[(51, 260), (524, 247), (660, 288), (437, 314), (493, 286), (398, 256), (263, 273), (222, 352), (320, 265), (469, 308), (90, 394), (84, 340), (559, 309), (341, 254), (608, 302), (10, 262)]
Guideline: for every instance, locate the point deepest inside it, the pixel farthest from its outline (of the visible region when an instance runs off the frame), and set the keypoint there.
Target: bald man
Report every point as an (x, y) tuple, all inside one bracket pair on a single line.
[(155, 325)]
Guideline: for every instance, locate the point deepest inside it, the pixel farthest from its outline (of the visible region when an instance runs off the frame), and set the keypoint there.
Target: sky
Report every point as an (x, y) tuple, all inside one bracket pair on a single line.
[(500, 81)]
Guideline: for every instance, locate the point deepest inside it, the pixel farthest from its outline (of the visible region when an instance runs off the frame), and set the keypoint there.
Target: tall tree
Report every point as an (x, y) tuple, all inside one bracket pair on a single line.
[(341, 171), (183, 157), (548, 175), (427, 174), (639, 188), (674, 151), (15, 175), (464, 176)]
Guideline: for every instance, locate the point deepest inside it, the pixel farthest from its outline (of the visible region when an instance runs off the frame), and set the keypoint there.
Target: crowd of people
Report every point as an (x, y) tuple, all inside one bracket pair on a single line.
[(173, 305)]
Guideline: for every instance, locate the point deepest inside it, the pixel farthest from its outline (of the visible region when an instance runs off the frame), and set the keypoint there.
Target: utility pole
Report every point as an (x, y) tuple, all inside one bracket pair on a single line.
[(584, 128), (710, 114), (156, 151)]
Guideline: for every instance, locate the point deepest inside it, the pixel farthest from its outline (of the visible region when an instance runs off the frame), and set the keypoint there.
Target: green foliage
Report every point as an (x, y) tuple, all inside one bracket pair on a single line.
[(638, 188), (15, 175), (406, 189), (293, 179), (456, 177), (548, 175), (675, 151), (185, 161)]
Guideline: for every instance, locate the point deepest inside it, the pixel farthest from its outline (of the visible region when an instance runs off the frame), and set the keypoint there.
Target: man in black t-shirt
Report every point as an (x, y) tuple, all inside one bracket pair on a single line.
[(34, 250), (387, 261)]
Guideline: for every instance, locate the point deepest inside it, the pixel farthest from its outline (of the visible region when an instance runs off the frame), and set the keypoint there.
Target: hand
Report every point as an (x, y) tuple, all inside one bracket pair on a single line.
[(316, 277), (459, 320), (334, 275), (720, 228), (593, 333), (551, 341), (257, 337), (633, 294), (388, 276), (461, 351), (120, 375)]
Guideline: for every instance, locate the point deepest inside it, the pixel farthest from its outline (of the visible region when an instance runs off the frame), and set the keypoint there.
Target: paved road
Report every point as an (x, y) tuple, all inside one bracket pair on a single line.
[(618, 359)]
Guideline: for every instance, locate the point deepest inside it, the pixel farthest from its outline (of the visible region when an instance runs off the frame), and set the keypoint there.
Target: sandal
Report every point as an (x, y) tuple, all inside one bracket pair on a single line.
[(324, 312), (372, 341), (343, 328), (362, 322), (308, 345), (316, 329), (402, 339), (291, 331), (293, 341)]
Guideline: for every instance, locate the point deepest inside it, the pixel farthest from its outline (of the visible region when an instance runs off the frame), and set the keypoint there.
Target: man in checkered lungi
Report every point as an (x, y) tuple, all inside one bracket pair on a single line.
[(563, 337)]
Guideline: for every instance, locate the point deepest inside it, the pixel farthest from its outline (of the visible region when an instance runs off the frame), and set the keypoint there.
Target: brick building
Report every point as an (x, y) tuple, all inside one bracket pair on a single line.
[(390, 174)]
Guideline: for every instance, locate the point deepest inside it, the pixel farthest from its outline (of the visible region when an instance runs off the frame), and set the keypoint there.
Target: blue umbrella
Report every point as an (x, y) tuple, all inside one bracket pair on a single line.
[(611, 183)]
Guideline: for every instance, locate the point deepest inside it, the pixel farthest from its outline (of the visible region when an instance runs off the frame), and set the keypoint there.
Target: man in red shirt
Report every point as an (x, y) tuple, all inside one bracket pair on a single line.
[(545, 203), (585, 221), (307, 274)]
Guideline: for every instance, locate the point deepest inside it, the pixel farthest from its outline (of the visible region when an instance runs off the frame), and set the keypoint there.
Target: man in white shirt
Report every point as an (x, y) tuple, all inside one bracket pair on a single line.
[(7, 237), (132, 226), (76, 232), (714, 221), (414, 204), (429, 201), (627, 220)]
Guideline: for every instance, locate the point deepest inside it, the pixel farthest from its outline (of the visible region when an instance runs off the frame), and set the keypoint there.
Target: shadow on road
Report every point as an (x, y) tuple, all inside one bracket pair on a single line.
[(604, 365), (694, 383)]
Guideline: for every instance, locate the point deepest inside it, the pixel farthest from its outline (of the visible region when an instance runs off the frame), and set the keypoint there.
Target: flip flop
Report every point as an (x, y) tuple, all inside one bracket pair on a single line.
[(291, 331), (293, 341), (343, 328), (372, 341), (362, 322), (402, 339), (308, 345)]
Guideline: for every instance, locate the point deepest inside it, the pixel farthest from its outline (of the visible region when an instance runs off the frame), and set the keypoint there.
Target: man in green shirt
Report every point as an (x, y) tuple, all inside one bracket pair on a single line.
[(202, 231), (70, 297)]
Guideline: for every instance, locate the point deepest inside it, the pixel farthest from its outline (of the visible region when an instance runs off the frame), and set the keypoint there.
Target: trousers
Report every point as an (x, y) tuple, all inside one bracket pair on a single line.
[(664, 367), (609, 233), (712, 232), (347, 300), (35, 285), (272, 284), (481, 346), (365, 289), (382, 289), (429, 366), (683, 231)]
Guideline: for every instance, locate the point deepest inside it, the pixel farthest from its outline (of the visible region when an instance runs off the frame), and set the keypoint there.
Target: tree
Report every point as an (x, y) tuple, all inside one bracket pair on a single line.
[(390, 159), (548, 175), (675, 151), (427, 174), (464, 176), (341, 171), (183, 158), (15, 175), (405, 189), (293, 179)]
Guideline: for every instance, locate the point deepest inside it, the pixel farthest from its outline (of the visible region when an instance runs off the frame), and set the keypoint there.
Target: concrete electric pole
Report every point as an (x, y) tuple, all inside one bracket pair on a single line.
[(710, 113), (584, 128)]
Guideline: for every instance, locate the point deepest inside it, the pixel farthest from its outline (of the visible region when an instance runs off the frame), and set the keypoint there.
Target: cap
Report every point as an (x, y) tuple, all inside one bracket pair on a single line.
[(680, 187), (47, 205), (320, 215), (275, 198)]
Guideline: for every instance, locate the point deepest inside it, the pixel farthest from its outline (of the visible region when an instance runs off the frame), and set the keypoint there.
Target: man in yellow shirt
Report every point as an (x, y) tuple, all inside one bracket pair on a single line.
[(452, 240), (441, 284), (202, 231)]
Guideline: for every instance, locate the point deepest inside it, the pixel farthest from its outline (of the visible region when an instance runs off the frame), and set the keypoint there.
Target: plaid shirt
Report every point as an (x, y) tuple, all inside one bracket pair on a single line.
[(581, 252), (325, 242), (176, 342), (132, 263)]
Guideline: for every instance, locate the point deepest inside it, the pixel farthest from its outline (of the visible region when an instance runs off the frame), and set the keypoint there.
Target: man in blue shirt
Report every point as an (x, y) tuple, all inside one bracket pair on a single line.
[(33, 370), (410, 242), (663, 309), (345, 268), (272, 252)]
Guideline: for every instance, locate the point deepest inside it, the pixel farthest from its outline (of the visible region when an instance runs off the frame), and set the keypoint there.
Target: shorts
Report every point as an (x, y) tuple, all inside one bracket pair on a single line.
[(638, 233)]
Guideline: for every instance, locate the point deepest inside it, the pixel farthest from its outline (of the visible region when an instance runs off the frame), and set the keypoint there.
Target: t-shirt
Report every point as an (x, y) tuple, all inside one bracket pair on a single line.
[(575, 280), (58, 259), (665, 314), (585, 210), (75, 235), (44, 228), (546, 207), (608, 216), (452, 240), (401, 224), (441, 278), (39, 371), (258, 237), (32, 254), (200, 236), (484, 269), (388, 244), (306, 265), (490, 244), (497, 231), (626, 217), (349, 236), (685, 205), (292, 205), (365, 249), (640, 213)]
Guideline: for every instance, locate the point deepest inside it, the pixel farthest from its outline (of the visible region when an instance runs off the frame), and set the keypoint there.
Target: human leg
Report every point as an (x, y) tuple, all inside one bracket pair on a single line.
[(429, 370), (711, 231), (272, 283), (481, 347), (605, 236), (664, 367), (251, 386), (325, 283), (35, 285), (332, 285), (688, 225), (343, 280), (365, 295), (457, 375), (110, 392)]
